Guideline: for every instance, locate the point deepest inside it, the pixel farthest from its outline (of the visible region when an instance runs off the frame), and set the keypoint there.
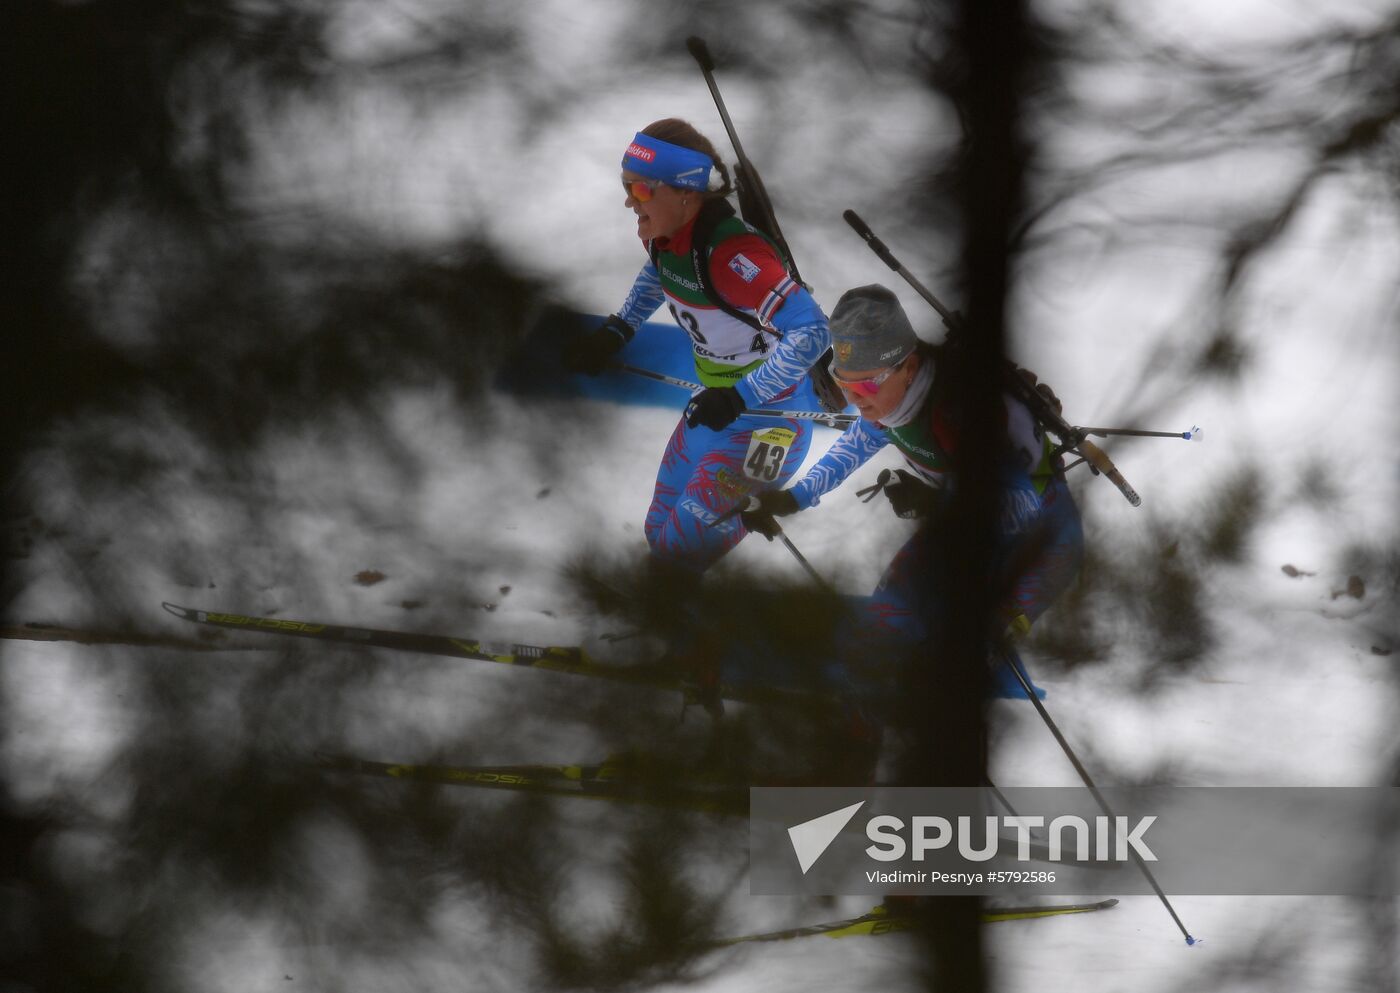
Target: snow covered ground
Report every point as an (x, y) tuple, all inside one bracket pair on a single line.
[(1293, 695)]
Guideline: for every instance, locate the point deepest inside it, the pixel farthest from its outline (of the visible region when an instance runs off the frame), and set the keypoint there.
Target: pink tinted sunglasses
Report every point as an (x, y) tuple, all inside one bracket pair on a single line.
[(867, 387)]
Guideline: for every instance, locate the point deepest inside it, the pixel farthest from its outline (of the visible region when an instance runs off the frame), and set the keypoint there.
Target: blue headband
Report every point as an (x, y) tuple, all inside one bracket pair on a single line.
[(672, 164)]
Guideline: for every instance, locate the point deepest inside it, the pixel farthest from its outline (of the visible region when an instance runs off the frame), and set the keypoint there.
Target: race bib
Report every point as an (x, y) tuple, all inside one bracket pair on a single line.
[(767, 452)]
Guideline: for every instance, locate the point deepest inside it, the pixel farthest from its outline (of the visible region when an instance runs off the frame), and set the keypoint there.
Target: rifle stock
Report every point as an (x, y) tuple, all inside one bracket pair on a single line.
[(1070, 437)]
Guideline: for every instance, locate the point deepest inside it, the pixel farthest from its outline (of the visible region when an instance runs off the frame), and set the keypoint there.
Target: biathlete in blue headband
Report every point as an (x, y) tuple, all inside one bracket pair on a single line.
[(755, 336)]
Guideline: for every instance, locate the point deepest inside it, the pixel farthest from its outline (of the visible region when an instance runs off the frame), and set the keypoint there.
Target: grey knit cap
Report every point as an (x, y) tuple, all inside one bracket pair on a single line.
[(869, 330)]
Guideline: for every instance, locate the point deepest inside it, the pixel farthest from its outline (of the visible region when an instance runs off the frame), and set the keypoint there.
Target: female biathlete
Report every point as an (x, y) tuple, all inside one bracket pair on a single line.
[(754, 330), (900, 385)]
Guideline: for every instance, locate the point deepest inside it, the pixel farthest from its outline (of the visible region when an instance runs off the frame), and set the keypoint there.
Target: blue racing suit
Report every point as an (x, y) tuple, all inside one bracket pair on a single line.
[(705, 473)]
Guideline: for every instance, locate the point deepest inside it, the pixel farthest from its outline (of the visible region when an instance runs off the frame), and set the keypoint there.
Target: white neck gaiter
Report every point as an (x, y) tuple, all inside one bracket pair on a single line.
[(913, 397)]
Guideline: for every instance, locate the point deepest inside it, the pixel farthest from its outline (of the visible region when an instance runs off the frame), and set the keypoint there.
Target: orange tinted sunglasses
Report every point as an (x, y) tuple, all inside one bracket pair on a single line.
[(641, 190)]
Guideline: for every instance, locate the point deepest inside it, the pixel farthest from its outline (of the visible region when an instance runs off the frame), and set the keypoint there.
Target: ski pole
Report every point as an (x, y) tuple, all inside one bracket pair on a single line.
[(839, 421), (751, 502), (1071, 438), (1194, 434), (1094, 791), (802, 559)]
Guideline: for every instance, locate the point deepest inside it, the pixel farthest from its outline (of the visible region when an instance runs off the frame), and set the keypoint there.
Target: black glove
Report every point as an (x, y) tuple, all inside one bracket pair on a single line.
[(1042, 388), (907, 494), (591, 351), (714, 408), (759, 512)]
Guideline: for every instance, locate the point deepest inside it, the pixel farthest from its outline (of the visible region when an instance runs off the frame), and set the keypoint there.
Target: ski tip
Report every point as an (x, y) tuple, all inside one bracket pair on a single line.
[(184, 613)]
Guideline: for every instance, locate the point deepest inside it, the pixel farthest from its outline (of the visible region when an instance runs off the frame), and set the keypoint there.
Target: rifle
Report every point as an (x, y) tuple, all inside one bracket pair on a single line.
[(757, 209), (1071, 438), (754, 205)]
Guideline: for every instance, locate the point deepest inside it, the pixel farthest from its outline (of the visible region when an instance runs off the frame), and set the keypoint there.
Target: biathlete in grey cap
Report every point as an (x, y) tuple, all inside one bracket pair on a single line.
[(900, 386)]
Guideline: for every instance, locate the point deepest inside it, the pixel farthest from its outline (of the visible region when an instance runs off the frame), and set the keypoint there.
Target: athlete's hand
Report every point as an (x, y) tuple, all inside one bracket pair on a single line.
[(909, 496), (1017, 628), (1043, 389), (760, 512), (714, 408), (591, 351)]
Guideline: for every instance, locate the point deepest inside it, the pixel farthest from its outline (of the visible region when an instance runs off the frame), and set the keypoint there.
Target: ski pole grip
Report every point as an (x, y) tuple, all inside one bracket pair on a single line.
[(700, 52), (1095, 456), (876, 245)]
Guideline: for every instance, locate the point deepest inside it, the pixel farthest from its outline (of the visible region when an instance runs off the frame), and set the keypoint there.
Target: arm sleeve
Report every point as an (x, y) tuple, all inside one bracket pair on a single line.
[(747, 272), (805, 337), (644, 298), (847, 454), (1021, 503)]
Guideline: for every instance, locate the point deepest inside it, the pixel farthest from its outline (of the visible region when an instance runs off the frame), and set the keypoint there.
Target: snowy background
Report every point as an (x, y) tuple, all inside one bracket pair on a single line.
[(281, 404)]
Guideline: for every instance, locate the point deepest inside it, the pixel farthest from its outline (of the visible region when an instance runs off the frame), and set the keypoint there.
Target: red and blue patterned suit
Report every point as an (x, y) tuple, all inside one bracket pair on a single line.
[(705, 473)]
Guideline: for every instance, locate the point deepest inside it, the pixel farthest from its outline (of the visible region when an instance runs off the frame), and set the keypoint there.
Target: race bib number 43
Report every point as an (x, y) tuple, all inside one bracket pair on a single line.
[(767, 451)]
